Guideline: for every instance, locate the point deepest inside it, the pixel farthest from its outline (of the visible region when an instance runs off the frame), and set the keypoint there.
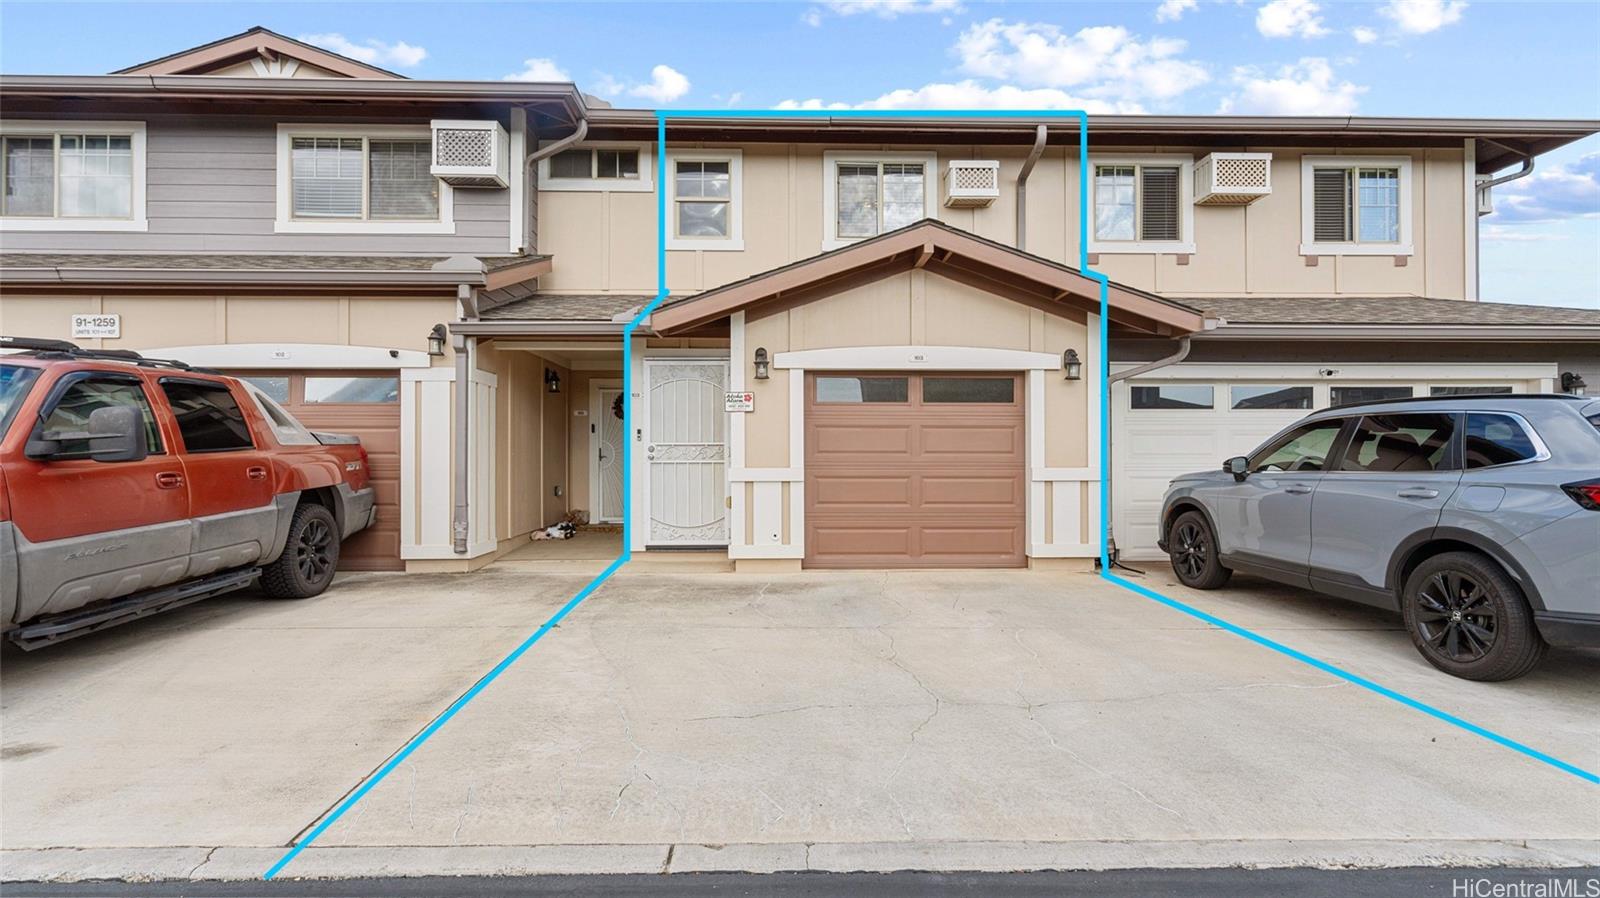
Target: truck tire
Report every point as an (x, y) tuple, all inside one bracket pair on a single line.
[(1469, 619), (309, 557)]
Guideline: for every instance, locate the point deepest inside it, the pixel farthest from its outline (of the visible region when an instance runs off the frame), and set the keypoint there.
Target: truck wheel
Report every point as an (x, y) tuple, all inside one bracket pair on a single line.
[(309, 557), (1469, 619), (1193, 548)]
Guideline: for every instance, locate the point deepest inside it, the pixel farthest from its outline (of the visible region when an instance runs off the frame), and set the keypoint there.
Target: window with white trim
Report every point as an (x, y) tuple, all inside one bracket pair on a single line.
[(360, 179), (72, 175), (703, 200), (1355, 205), (598, 167), (1142, 204), (867, 194)]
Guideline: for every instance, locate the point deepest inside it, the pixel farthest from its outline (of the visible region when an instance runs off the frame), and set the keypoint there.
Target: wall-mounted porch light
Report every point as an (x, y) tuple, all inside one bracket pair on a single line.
[(436, 338), (552, 381), (763, 364), (1571, 382), (1071, 365)]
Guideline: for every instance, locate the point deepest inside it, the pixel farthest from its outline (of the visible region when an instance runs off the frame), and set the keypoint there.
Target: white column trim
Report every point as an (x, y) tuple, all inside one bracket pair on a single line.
[(517, 226), (736, 423), (1469, 167)]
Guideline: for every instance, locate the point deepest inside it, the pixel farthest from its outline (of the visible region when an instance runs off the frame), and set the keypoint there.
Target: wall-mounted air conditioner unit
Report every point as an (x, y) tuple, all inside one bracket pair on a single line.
[(1232, 179), (970, 183), (469, 153)]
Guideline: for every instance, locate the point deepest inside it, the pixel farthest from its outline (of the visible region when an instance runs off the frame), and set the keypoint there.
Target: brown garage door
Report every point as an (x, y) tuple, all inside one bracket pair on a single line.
[(365, 404), (914, 470)]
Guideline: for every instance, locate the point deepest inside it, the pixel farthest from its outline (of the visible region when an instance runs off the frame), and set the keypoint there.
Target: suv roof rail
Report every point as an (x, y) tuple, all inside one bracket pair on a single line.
[(67, 349), (1456, 397)]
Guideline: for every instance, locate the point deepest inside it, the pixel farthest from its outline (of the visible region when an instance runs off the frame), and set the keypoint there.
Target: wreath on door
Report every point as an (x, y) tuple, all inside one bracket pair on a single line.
[(616, 406)]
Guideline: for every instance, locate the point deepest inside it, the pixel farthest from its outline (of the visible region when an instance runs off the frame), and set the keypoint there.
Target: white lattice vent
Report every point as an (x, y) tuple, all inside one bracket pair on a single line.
[(1232, 179), (971, 182), (469, 153)]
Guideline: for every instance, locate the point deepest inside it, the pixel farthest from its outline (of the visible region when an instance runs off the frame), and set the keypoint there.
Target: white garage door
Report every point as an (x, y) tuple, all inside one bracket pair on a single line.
[(1163, 427)]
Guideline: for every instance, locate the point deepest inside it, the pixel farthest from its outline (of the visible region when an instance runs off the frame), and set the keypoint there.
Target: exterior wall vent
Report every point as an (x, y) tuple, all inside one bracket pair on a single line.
[(1232, 179), (469, 153), (970, 183)]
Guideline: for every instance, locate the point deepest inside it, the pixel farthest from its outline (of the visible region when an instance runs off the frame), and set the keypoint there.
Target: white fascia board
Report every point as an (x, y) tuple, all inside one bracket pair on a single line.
[(292, 355), (931, 358)]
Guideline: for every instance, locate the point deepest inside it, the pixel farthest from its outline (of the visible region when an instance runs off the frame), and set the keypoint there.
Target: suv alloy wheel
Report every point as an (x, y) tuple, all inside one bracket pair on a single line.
[(1469, 619), (1193, 548)]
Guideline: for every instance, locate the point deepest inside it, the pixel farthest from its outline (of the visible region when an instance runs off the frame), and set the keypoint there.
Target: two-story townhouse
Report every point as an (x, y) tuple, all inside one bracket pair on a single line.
[(895, 301)]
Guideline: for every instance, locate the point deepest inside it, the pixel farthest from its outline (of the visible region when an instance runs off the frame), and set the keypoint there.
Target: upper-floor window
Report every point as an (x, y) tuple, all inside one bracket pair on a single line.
[(704, 199), (360, 179), (867, 194), (72, 176), (607, 166), (1355, 205), (1142, 204)]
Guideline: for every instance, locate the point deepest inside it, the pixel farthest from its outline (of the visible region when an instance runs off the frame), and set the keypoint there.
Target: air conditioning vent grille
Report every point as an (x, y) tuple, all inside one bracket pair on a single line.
[(971, 183), (1234, 172), (461, 147), (1232, 179)]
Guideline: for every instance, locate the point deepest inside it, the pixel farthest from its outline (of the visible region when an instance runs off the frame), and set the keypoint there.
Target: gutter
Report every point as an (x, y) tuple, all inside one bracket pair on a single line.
[(1039, 138)]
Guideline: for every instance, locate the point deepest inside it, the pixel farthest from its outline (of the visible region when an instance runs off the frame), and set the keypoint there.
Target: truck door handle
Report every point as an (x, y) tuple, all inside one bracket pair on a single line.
[(1298, 489), (169, 480), (1418, 492), (256, 472)]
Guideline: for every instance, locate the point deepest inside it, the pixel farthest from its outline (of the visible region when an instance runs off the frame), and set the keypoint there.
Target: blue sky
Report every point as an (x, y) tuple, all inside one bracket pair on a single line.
[(1398, 57)]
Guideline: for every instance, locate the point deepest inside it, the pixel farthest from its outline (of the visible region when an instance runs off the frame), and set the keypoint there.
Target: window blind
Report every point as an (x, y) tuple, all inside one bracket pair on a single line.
[(1330, 191), (327, 177), (1158, 190)]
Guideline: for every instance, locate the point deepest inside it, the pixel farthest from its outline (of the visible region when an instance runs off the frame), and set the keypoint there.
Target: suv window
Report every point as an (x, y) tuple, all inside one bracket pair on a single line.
[(1496, 440), (1401, 443), (1305, 448), (208, 417), (73, 409), (14, 383)]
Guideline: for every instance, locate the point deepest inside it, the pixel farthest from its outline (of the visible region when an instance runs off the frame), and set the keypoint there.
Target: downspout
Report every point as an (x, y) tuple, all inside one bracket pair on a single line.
[(1039, 138), (466, 295), (532, 204), (1146, 368)]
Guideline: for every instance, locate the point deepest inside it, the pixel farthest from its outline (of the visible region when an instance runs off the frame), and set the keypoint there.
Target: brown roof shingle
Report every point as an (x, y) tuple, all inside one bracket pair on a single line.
[(1388, 310)]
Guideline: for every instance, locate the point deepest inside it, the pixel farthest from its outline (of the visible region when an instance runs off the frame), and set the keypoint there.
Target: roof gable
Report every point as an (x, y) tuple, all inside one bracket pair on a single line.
[(941, 250), (259, 53)]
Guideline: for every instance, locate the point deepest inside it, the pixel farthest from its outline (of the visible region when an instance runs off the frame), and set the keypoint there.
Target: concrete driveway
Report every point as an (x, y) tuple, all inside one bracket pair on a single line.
[(830, 721)]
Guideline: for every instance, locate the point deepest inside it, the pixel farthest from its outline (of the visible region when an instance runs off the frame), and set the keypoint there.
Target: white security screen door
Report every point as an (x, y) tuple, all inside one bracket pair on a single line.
[(606, 444), (686, 452)]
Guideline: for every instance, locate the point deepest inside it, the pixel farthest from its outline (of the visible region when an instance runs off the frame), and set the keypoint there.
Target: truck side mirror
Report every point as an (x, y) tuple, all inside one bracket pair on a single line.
[(118, 434), (1238, 466)]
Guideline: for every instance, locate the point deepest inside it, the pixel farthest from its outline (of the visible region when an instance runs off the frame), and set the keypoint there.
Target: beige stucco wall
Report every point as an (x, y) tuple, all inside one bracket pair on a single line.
[(606, 241), (916, 308)]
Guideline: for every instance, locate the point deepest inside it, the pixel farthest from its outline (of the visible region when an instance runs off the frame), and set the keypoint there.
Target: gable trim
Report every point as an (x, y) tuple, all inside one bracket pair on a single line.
[(257, 42)]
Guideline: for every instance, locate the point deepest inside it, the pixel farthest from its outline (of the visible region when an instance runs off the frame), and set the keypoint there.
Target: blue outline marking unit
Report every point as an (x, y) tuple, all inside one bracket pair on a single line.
[(1105, 461)]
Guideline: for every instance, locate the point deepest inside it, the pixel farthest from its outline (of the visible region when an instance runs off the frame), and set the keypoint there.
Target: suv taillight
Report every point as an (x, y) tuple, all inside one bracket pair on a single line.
[(1586, 493)]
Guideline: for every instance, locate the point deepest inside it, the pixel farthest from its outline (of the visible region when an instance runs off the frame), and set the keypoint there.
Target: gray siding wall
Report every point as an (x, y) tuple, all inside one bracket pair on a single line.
[(211, 186)]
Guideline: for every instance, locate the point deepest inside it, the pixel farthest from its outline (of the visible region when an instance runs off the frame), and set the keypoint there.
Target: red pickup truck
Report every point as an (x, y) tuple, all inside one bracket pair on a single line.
[(131, 485)]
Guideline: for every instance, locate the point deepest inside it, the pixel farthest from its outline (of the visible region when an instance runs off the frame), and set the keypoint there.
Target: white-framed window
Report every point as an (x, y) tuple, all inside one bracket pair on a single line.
[(1355, 205), (360, 179), (605, 166), (866, 194), (705, 199), (1141, 204), (72, 176)]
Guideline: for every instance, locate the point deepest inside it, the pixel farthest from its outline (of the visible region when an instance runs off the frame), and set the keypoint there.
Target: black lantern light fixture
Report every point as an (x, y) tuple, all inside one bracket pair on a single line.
[(1572, 382), (763, 364), (436, 338), (552, 381), (1071, 365)]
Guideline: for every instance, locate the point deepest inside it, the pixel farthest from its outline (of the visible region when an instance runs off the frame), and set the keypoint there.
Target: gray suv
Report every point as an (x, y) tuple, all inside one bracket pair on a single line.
[(1477, 517)]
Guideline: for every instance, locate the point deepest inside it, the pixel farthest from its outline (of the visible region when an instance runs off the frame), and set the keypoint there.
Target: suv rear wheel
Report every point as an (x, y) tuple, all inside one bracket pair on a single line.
[(1469, 619), (309, 557), (1192, 545)]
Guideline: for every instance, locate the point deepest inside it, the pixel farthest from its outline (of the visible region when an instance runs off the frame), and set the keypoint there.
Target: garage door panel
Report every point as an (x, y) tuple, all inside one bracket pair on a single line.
[(907, 484)]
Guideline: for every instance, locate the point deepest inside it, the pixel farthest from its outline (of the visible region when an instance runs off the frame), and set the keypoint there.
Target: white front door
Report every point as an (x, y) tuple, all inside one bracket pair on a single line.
[(605, 451), (686, 452)]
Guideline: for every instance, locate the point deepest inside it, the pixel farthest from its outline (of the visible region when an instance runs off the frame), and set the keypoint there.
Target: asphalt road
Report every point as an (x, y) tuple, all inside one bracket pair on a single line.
[(1234, 883)]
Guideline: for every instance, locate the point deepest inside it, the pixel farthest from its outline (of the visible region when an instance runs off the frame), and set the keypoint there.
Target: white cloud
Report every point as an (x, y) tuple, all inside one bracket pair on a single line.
[(666, 84), (970, 94), (1103, 62), (883, 9), (1505, 234), (540, 69), (372, 51), (1363, 34), (1290, 18), (1563, 191), (1423, 16), (1308, 87), (1173, 10)]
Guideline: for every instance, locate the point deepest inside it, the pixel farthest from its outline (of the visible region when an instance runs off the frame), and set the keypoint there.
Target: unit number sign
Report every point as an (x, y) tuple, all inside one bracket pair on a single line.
[(97, 326)]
